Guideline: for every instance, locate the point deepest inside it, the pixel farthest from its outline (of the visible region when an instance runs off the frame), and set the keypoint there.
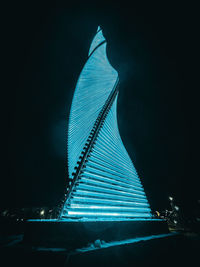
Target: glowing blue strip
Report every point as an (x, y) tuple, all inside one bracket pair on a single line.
[(109, 190), (111, 179), (85, 199), (90, 219), (102, 159), (100, 207), (101, 146), (104, 184), (112, 175), (106, 169), (105, 214), (110, 165), (81, 192)]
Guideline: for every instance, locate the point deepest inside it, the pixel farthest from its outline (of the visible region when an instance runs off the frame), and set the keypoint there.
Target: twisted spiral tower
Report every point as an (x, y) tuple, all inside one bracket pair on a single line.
[(103, 183)]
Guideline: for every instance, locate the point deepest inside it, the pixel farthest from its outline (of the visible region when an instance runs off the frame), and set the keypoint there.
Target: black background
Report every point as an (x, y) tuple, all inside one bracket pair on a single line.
[(155, 49)]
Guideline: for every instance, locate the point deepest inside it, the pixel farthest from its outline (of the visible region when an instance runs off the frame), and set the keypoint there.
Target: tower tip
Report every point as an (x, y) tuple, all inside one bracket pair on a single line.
[(99, 28)]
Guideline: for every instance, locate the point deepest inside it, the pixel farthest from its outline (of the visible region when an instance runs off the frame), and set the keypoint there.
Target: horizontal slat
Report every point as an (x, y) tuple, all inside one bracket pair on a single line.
[(109, 151), (93, 200), (109, 191), (108, 156), (112, 175), (82, 192), (104, 166), (110, 163), (112, 179), (103, 207), (109, 214), (107, 185)]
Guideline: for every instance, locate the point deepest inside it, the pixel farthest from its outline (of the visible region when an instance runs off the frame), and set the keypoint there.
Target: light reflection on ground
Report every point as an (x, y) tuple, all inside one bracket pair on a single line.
[(98, 244)]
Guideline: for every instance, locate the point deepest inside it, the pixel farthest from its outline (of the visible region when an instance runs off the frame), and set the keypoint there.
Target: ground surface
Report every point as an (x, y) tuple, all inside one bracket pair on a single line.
[(181, 249)]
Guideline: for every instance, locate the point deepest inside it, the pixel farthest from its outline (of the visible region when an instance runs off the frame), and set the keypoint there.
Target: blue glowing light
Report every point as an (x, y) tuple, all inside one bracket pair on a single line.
[(108, 185)]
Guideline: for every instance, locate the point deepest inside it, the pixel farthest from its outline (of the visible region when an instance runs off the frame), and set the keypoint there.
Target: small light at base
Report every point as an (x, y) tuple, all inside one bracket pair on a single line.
[(42, 212)]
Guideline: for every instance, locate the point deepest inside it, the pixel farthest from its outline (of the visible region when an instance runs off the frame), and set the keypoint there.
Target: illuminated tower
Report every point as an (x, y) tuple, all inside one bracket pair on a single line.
[(103, 183)]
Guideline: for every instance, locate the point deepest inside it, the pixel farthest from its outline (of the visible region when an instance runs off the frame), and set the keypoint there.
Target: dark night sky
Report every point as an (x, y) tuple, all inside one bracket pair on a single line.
[(155, 50)]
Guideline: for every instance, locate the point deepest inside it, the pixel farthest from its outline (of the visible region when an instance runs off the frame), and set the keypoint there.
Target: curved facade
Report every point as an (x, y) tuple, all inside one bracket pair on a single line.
[(104, 183)]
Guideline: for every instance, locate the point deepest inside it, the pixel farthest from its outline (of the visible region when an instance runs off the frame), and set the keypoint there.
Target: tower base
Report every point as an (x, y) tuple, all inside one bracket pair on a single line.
[(73, 234)]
